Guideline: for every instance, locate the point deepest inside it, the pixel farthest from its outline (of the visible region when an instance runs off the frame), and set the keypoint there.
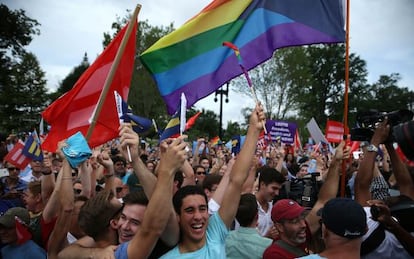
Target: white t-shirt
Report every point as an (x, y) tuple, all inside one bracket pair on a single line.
[(264, 222), (389, 248)]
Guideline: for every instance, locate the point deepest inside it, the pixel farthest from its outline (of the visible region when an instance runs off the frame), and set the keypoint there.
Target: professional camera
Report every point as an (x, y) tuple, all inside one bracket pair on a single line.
[(367, 121)]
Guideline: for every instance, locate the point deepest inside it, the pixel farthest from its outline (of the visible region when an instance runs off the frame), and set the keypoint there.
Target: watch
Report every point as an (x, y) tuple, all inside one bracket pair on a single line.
[(372, 148)]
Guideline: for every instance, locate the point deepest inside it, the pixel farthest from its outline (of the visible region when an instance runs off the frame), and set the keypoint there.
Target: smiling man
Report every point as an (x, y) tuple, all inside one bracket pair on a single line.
[(203, 236)]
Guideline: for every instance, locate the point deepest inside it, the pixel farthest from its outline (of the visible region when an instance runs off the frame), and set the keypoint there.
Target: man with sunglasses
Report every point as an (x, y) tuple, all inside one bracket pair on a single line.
[(13, 184)]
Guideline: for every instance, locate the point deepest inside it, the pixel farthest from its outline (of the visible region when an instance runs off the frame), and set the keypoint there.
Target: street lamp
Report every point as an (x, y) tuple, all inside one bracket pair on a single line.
[(222, 92)]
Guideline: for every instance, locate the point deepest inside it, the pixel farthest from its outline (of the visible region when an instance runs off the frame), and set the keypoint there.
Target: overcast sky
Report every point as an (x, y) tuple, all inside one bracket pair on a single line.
[(380, 30)]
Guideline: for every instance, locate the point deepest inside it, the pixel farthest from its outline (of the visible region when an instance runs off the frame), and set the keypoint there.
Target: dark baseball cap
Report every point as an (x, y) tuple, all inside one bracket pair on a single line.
[(344, 217), (8, 219)]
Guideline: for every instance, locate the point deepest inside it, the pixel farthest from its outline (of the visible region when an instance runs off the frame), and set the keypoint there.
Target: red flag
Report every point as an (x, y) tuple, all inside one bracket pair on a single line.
[(298, 143), (190, 122), (73, 111), (16, 156), (23, 234), (334, 131)]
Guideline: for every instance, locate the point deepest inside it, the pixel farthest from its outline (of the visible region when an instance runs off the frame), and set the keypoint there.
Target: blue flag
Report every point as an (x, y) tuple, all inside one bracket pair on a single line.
[(32, 148), (139, 124)]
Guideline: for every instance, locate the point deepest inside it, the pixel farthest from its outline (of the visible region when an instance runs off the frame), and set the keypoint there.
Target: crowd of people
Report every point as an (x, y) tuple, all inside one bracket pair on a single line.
[(169, 201)]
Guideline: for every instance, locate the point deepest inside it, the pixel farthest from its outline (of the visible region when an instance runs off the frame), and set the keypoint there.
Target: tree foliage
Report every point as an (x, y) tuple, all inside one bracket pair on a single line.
[(23, 93)]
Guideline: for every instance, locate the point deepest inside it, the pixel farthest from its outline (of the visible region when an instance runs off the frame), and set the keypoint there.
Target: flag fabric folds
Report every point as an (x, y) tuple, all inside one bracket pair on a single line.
[(32, 148), (191, 121), (192, 59), (73, 111), (172, 130), (16, 156), (139, 124), (177, 125)]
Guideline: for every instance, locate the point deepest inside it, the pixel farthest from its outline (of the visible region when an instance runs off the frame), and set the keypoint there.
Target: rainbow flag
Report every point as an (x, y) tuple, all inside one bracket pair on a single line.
[(192, 60)]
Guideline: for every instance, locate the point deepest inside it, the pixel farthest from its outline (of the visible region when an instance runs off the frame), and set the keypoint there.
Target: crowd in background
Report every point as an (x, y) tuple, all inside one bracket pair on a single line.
[(173, 201)]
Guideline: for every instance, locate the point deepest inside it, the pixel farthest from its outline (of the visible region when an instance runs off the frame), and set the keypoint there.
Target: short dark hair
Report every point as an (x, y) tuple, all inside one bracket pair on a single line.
[(270, 175), (211, 180), (184, 192), (95, 215), (247, 210), (137, 197), (116, 159)]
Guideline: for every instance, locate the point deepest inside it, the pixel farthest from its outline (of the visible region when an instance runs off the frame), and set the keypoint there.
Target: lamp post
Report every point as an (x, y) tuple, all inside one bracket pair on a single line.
[(222, 92)]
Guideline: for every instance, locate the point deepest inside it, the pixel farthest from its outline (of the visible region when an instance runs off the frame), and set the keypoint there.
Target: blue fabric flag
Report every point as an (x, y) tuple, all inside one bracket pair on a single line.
[(139, 124), (32, 148)]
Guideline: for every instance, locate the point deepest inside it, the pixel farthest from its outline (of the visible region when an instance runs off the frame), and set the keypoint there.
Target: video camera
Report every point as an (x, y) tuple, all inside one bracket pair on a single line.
[(367, 121), (402, 128)]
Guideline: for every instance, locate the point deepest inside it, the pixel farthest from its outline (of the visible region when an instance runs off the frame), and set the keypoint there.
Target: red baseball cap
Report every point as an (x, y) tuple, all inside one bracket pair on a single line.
[(286, 209)]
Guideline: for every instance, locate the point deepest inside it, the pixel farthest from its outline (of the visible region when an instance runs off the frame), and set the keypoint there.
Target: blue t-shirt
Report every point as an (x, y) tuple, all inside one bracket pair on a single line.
[(215, 242), (122, 251), (28, 249), (313, 256)]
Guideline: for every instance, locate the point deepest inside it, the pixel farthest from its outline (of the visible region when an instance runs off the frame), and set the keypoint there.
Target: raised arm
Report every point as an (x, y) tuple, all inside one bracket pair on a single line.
[(400, 171), (329, 188), (155, 219), (365, 173), (241, 167), (148, 181)]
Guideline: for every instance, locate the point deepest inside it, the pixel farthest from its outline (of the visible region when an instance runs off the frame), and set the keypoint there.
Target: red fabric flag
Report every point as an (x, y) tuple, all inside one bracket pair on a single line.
[(23, 234), (298, 143), (334, 131), (190, 122), (16, 156), (73, 111)]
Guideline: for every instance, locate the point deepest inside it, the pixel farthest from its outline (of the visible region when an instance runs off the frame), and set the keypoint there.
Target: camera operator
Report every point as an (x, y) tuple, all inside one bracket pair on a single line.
[(385, 238)]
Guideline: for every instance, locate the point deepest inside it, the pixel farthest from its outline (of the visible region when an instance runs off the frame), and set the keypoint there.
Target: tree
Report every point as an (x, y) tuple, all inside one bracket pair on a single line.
[(22, 82), (144, 97)]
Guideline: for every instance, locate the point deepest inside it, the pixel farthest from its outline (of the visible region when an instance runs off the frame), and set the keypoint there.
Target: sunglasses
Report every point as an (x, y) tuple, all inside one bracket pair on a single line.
[(200, 173), (77, 191), (13, 169), (119, 189)]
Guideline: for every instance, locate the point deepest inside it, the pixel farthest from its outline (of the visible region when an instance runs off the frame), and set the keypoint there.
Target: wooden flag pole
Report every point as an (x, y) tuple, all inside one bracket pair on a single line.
[(111, 74), (346, 131)]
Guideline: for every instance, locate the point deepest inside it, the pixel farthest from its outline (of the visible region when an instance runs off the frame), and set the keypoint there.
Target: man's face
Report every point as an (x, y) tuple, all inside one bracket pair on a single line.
[(36, 166), (270, 191), (130, 221), (30, 200), (293, 231), (13, 171), (8, 235), (119, 168), (194, 218), (302, 171)]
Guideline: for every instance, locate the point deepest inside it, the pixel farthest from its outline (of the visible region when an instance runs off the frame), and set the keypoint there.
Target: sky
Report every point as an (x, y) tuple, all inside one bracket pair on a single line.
[(380, 33)]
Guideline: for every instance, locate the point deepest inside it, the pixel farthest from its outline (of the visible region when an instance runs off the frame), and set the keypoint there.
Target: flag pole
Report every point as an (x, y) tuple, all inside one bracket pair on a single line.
[(111, 74), (346, 131), (246, 74)]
